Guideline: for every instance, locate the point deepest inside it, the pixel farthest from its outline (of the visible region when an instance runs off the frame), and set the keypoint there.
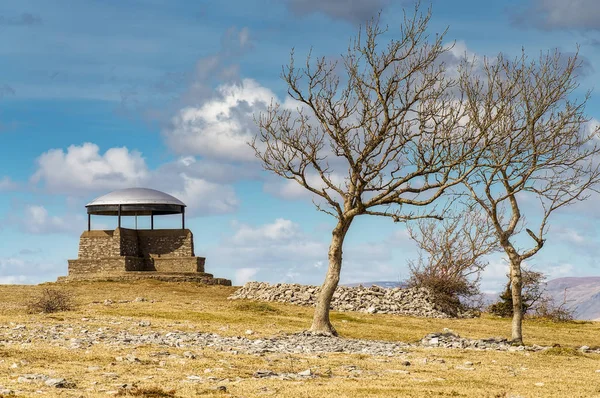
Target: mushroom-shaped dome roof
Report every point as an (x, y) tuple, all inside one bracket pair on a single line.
[(138, 196), (135, 201)]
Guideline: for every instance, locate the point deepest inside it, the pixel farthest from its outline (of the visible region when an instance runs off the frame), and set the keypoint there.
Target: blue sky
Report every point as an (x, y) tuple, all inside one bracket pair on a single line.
[(97, 96)]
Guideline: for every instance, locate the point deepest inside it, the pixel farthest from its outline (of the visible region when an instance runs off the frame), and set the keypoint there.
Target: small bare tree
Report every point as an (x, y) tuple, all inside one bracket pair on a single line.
[(451, 254), (376, 134), (542, 157)]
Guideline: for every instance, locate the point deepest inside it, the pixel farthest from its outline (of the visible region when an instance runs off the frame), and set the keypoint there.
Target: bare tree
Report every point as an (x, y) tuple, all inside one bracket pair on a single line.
[(375, 134), (542, 157), (451, 254)]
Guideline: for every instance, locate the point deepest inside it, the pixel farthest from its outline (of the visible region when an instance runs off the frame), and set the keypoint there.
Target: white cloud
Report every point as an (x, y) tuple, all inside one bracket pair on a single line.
[(560, 14), (593, 125), (204, 197), (559, 270), (36, 220), (14, 270), (569, 235), (83, 168), (280, 251), (14, 280), (494, 277), (281, 230), (221, 127), (357, 11), (6, 184), (244, 275)]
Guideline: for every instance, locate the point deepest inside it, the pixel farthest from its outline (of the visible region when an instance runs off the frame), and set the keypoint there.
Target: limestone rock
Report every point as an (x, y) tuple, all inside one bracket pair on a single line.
[(373, 300)]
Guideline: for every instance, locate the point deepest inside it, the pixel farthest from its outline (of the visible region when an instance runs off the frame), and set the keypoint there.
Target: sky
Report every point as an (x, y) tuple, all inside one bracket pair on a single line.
[(97, 96)]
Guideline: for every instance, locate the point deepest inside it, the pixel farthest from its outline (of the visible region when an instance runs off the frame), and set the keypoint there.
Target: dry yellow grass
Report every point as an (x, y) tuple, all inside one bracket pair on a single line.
[(190, 307)]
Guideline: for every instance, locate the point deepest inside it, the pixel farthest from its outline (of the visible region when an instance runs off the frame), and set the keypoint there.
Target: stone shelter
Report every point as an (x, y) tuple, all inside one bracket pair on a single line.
[(123, 253)]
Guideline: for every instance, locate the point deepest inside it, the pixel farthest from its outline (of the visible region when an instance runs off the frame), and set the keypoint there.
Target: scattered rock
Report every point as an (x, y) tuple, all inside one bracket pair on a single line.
[(189, 355), (263, 373), (249, 332), (539, 384), (305, 373), (31, 378), (405, 363), (132, 358), (140, 299), (144, 323), (108, 302), (59, 383), (221, 388), (295, 343)]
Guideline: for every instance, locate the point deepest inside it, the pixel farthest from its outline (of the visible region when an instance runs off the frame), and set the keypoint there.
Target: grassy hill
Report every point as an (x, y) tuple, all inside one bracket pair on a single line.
[(100, 370)]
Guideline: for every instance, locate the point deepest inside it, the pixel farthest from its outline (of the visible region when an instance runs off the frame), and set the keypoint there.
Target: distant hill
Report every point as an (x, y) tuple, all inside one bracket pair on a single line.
[(583, 294)]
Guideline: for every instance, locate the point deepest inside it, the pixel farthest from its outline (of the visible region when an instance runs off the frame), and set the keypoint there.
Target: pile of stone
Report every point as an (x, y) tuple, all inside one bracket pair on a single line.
[(449, 339), (414, 301)]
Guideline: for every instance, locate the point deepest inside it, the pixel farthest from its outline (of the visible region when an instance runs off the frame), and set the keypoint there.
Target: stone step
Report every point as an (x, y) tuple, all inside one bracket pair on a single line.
[(200, 277)]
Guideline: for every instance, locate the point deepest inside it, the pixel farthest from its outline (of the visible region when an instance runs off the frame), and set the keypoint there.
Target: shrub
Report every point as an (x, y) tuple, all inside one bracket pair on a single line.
[(447, 292), (532, 292), (450, 257), (548, 309), (51, 300)]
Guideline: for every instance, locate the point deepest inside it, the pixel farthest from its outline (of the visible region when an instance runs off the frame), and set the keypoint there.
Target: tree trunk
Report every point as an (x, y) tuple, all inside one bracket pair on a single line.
[(517, 301), (321, 321)]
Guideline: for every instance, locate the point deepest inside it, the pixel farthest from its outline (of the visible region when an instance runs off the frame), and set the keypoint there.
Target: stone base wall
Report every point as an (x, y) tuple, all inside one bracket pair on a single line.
[(177, 264), (165, 242), (125, 250), (97, 244), (106, 265), (136, 243)]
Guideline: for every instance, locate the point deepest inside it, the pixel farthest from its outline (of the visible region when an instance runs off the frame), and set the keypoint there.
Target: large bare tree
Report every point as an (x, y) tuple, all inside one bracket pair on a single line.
[(377, 133), (543, 156)]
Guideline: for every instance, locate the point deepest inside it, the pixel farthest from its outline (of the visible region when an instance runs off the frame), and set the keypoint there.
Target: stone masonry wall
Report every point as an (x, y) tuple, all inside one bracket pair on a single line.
[(99, 244), (125, 249), (129, 242), (107, 265), (178, 264), (141, 243), (168, 243), (415, 302)]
